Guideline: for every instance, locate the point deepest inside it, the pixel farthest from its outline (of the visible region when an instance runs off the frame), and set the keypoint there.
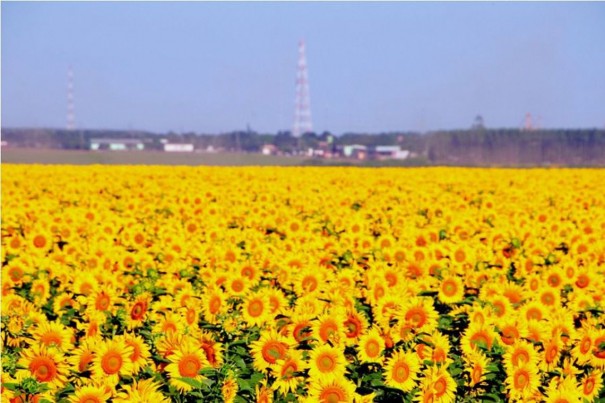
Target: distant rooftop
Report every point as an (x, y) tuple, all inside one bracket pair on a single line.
[(116, 141)]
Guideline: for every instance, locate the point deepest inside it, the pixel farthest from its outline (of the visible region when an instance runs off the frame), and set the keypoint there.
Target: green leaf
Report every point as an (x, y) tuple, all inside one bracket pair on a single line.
[(240, 363), (191, 382), (455, 371), (256, 378), (207, 372), (11, 386), (489, 397), (244, 385)]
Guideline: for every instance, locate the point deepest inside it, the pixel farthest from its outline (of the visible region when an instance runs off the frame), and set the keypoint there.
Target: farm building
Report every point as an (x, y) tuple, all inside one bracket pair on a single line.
[(178, 147), (116, 144), (355, 151), (392, 152), (269, 149)]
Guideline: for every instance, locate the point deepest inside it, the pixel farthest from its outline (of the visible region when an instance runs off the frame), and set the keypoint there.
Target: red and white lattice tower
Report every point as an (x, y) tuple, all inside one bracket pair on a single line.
[(71, 113), (302, 113)]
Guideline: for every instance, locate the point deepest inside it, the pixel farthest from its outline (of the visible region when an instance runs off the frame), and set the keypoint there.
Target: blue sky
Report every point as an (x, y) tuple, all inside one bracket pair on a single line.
[(373, 67)]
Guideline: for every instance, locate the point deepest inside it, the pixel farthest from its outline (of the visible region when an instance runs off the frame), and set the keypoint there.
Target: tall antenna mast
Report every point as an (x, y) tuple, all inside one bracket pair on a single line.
[(71, 114), (302, 113)]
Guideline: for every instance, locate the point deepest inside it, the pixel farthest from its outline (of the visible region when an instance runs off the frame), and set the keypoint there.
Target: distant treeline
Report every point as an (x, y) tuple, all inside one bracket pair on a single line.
[(476, 146)]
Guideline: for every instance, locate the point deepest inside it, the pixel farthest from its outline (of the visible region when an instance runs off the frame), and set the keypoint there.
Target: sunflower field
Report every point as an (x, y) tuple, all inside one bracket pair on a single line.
[(181, 284)]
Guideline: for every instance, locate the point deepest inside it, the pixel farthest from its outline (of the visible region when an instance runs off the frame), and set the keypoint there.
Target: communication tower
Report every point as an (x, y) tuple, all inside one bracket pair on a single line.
[(302, 112)]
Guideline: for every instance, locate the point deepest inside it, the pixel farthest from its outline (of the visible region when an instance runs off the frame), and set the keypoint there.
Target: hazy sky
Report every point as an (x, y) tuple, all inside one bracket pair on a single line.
[(215, 67)]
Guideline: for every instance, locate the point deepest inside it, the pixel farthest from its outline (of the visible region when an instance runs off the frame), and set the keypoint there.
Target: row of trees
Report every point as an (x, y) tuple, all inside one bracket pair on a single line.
[(475, 146)]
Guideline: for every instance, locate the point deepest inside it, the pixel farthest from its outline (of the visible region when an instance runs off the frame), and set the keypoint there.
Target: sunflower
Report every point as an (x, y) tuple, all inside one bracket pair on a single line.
[(252, 273), (419, 314), (355, 324), (329, 327), (263, 393), (522, 381), (438, 386), (513, 292), (551, 355), (287, 372), (16, 331), (103, 300), (277, 301), (500, 306), (477, 366), (346, 281), (237, 285), (213, 304), (141, 391), (478, 336), (91, 325), (451, 290), (392, 276), (40, 291), (90, 394), (84, 283), (40, 242), (186, 362), (401, 371), (511, 329), (140, 351), (308, 306), (112, 360), (190, 315), (584, 279), (555, 278), (299, 328), (255, 309), (63, 301), (82, 357), (537, 331), (137, 311), (326, 362), (563, 390), (308, 282), (268, 349), (519, 354), (439, 352), (371, 346), (229, 389), (582, 349), (549, 297), (170, 342), (332, 390), (533, 310), (386, 310), (46, 365), (169, 322), (377, 289), (54, 334), (15, 272), (592, 384), (597, 359)]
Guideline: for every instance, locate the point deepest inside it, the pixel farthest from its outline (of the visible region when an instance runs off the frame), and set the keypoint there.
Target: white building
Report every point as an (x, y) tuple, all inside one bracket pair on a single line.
[(394, 152), (116, 144), (351, 150), (178, 147), (269, 149)]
